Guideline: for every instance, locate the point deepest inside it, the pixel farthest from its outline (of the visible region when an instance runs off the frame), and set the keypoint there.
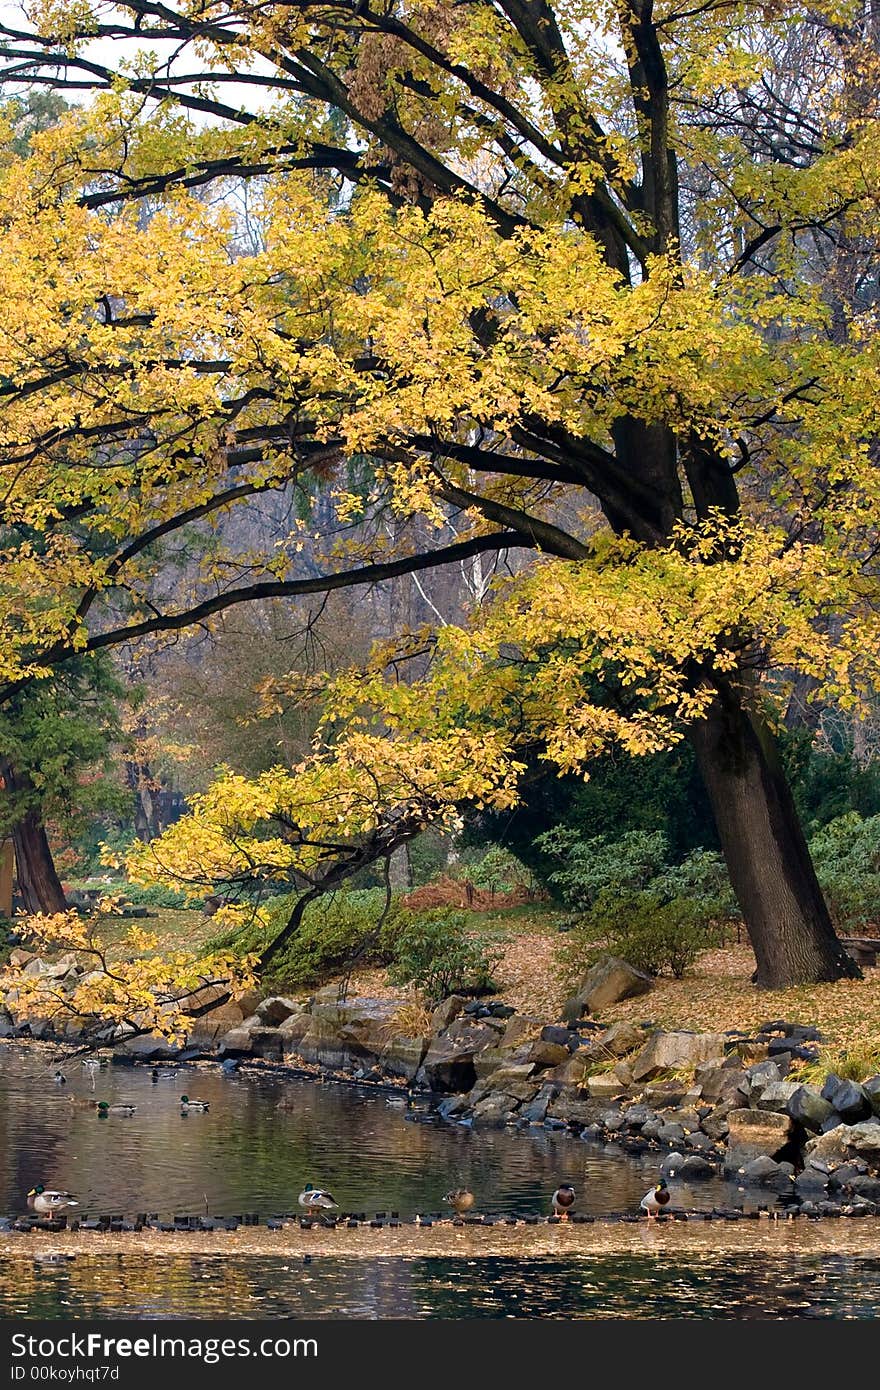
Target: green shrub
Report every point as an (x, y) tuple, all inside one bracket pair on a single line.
[(652, 934), (630, 901), (156, 895), (435, 952), (498, 870), (846, 855), (336, 931), (589, 868)]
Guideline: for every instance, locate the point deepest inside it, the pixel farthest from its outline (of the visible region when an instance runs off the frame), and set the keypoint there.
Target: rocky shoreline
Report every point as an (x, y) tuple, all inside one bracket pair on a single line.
[(708, 1105)]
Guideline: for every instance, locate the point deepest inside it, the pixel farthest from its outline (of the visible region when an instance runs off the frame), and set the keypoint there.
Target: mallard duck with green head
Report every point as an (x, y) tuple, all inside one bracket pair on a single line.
[(105, 1109), (316, 1200), (186, 1105), (48, 1201), (656, 1199)]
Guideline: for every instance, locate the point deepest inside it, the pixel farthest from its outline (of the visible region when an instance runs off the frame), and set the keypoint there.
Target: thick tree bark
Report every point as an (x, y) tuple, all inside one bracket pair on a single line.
[(38, 881), (767, 856)]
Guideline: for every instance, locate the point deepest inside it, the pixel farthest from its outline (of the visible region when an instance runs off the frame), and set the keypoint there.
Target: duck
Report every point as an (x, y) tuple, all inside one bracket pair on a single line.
[(186, 1105), (157, 1075), (118, 1108), (563, 1200), (461, 1198), (59, 1078), (49, 1201), (656, 1198), (316, 1199)]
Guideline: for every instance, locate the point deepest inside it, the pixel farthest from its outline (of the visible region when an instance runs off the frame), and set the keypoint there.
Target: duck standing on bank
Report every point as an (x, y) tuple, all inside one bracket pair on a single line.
[(563, 1200), (316, 1199), (49, 1201), (656, 1199), (462, 1199)]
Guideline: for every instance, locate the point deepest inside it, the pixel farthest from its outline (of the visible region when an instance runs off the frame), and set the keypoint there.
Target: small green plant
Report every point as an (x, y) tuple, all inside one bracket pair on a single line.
[(435, 952)]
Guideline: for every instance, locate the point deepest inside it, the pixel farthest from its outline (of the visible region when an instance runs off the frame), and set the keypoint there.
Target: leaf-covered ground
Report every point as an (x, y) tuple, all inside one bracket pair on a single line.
[(715, 995)]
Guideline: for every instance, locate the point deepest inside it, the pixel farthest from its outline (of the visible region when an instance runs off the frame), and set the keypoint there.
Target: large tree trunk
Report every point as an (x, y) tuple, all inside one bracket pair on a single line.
[(765, 849), (38, 881)]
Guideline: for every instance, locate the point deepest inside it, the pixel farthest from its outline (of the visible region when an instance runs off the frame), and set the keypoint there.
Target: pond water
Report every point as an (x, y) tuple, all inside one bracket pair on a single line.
[(248, 1155), (717, 1286)]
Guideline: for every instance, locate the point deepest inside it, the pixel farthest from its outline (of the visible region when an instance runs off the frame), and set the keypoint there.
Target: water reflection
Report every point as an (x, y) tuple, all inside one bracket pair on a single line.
[(589, 1287), (245, 1154)]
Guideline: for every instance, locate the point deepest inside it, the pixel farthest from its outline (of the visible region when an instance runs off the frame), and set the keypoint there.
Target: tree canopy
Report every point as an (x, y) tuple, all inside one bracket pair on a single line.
[(593, 281)]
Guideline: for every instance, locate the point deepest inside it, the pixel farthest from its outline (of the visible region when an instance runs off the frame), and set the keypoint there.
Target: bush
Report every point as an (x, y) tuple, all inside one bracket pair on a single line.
[(435, 952), (156, 895), (498, 871), (653, 935), (595, 866), (335, 931), (632, 902), (846, 855)]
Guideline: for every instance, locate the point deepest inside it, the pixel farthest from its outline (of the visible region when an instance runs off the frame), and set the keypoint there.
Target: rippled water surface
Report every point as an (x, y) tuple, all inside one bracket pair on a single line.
[(248, 1155), (245, 1154), (719, 1286)]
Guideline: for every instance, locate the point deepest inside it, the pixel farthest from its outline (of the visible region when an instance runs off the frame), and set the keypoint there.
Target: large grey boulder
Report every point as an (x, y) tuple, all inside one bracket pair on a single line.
[(610, 980), (671, 1164), (274, 1010), (847, 1098), (845, 1141), (722, 1081), (808, 1108), (535, 1110), (777, 1096), (404, 1056), (147, 1047), (675, 1051), (753, 1134), (871, 1088), (621, 1039), (695, 1166), (449, 1062), (444, 1013), (764, 1170)]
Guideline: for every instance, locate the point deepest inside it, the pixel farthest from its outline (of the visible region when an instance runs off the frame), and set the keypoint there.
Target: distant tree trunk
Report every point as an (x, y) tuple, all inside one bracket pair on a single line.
[(400, 869), (766, 852)]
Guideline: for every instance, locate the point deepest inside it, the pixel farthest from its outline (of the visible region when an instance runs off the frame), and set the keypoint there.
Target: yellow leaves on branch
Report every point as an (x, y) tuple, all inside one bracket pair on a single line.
[(569, 659), (265, 829), (134, 991)]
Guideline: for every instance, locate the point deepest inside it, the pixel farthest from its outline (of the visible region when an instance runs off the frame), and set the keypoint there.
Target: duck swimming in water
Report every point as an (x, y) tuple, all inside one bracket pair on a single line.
[(118, 1108), (186, 1105)]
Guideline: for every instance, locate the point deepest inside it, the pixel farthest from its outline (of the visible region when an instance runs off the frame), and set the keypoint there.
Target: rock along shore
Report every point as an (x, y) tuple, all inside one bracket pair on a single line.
[(707, 1104)]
